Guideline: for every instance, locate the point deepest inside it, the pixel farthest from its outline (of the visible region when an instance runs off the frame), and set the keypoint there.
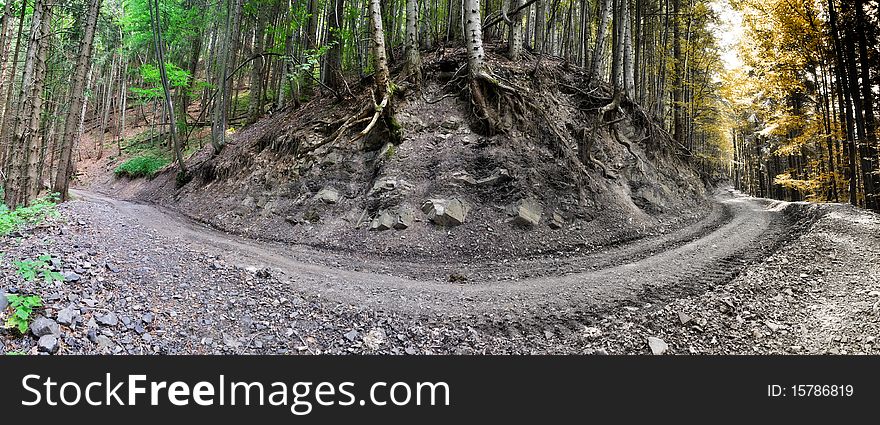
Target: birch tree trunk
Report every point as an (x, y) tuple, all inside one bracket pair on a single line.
[(413, 59), (516, 31)]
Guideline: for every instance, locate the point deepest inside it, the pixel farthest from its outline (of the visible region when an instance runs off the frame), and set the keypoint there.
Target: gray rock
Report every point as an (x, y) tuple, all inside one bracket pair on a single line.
[(556, 221), (68, 316), (526, 212), (249, 202), (328, 195), (404, 219), (500, 175), (383, 221), (351, 335), (445, 212), (103, 342), (464, 177), (147, 318), (231, 342), (658, 346), (684, 318), (4, 302), (108, 319), (48, 344), (71, 276), (43, 326)]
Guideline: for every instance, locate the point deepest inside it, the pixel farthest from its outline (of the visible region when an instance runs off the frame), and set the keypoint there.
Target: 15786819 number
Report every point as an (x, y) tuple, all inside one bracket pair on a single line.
[(809, 390)]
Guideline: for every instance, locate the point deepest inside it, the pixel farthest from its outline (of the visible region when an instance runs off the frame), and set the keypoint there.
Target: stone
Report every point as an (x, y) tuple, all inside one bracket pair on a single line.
[(148, 318), (351, 335), (556, 221), (328, 195), (103, 342), (108, 319), (71, 277), (404, 220), (374, 339), (592, 332), (4, 301), (383, 221), (500, 175), (43, 326), (446, 212), (68, 316), (526, 212), (464, 177), (658, 346), (311, 216), (249, 202), (231, 342), (48, 344), (684, 318)]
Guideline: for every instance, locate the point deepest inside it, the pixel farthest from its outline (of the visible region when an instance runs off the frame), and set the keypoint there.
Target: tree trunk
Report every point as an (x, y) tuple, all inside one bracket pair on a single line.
[(601, 34), (159, 44), (333, 73), (516, 31), (413, 59)]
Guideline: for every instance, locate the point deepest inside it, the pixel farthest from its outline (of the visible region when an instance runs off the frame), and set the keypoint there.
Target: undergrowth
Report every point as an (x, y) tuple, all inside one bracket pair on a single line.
[(141, 166), (39, 210)]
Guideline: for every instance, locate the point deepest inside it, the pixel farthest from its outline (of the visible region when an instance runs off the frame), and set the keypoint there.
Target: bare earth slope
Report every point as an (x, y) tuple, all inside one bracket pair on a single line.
[(720, 286)]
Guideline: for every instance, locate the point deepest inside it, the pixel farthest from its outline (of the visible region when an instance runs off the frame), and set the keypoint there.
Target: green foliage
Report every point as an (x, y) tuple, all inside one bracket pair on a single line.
[(37, 211), (22, 308), (141, 166), (16, 353), (178, 79), (30, 269)]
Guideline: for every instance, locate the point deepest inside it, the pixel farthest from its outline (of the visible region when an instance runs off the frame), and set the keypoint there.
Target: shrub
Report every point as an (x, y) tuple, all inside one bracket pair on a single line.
[(141, 166), (37, 211), (22, 309)]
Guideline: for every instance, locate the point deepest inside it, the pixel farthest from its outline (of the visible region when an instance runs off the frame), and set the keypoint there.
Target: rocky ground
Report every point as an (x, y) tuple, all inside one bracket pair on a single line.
[(132, 289)]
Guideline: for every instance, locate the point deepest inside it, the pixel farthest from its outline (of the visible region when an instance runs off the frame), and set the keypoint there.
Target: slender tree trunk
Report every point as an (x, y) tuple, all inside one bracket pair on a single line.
[(413, 59), (516, 31), (599, 50), (159, 44)]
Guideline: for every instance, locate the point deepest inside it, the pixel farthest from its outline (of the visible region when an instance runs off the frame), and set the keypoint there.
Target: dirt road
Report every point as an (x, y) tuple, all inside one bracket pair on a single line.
[(739, 230), (756, 276)]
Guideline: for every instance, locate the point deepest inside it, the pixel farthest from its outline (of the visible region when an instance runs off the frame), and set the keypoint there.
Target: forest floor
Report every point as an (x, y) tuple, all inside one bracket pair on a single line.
[(754, 276)]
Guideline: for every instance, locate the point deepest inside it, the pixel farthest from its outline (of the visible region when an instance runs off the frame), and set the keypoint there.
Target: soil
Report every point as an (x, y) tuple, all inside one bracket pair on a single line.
[(768, 277)]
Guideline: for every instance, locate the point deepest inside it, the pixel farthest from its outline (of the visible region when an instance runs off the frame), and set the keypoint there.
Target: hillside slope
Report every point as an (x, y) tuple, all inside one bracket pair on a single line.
[(518, 193)]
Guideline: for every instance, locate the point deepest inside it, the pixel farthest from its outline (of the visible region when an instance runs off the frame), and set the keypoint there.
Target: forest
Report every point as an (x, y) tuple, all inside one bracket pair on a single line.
[(439, 176)]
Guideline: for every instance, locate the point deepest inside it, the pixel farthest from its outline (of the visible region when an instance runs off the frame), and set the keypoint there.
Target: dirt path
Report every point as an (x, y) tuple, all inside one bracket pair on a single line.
[(756, 276), (740, 229)]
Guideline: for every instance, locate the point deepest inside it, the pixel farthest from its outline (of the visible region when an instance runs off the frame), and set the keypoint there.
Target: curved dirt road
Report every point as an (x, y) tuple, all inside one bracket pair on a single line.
[(739, 231)]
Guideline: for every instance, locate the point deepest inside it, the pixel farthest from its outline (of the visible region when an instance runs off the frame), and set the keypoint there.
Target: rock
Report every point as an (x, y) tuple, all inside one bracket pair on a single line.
[(556, 221), (43, 326), (351, 335), (328, 195), (464, 177), (311, 216), (68, 316), (249, 202), (526, 212), (48, 344), (231, 342), (108, 319), (103, 342), (592, 332), (383, 221), (404, 220), (684, 318), (71, 277), (4, 302), (374, 339), (111, 267), (446, 212), (148, 318), (658, 346), (388, 184), (500, 175)]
